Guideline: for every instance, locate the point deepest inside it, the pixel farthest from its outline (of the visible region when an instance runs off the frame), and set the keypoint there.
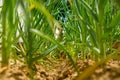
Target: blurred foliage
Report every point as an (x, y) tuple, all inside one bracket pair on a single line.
[(77, 29)]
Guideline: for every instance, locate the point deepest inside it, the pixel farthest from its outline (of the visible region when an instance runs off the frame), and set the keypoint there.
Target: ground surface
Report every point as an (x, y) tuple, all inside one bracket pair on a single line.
[(61, 70)]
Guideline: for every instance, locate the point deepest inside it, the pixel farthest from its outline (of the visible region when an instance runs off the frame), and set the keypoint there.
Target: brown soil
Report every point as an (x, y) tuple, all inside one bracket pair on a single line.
[(61, 70)]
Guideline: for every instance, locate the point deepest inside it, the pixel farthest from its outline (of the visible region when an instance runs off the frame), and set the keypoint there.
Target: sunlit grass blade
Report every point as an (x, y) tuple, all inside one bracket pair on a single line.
[(115, 21), (44, 54), (93, 36), (50, 18), (89, 9), (7, 30)]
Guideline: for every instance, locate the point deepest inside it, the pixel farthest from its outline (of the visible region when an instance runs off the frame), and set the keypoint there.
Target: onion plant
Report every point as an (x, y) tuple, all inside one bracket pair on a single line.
[(94, 23), (36, 29), (43, 27), (8, 29)]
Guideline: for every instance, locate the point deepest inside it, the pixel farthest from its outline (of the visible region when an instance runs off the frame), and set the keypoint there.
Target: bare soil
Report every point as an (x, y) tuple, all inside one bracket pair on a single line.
[(61, 70)]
